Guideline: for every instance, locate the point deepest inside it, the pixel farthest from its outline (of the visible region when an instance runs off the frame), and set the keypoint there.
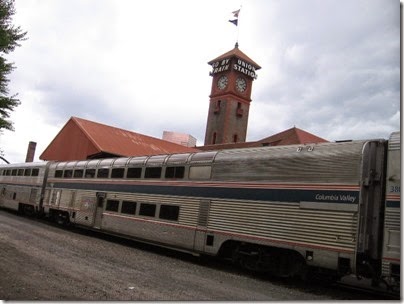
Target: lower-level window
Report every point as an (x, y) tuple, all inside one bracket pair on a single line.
[(128, 207), (147, 209), (169, 212), (112, 205)]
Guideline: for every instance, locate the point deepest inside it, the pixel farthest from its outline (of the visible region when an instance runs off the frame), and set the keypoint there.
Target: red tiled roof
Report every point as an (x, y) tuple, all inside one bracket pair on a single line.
[(236, 52), (290, 137), (81, 138)]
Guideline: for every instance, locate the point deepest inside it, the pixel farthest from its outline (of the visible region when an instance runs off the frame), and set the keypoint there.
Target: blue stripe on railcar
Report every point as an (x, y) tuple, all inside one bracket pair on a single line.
[(281, 195)]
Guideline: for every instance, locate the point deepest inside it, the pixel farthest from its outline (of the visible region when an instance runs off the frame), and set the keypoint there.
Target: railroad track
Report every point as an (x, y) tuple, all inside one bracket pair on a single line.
[(364, 286)]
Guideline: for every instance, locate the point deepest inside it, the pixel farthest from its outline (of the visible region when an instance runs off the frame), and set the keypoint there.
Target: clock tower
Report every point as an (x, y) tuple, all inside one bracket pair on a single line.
[(232, 76)]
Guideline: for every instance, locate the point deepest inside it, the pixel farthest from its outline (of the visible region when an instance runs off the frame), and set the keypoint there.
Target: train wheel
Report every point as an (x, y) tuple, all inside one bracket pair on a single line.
[(62, 218), (277, 261)]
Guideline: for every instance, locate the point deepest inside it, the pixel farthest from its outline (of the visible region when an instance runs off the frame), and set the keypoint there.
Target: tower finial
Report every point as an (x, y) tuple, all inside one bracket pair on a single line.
[(236, 46)]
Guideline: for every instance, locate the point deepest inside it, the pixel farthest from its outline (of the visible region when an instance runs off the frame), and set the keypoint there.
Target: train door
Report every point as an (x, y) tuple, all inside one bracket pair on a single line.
[(99, 209), (201, 228), (369, 242)]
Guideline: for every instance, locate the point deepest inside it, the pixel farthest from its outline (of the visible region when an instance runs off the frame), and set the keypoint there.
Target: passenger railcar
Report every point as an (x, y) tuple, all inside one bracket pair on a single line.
[(280, 209), (392, 214), (22, 186)]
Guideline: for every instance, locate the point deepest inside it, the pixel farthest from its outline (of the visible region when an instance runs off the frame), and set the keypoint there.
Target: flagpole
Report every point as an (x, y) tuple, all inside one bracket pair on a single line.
[(236, 23)]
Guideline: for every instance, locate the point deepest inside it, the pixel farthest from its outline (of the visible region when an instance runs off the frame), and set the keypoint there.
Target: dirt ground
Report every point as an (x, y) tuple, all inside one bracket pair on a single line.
[(39, 261)]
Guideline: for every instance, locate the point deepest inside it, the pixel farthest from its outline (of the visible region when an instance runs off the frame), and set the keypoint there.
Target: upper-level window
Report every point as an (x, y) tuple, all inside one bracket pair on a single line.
[(35, 172), (153, 172), (103, 173), (117, 172), (78, 173), (90, 173), (134, 173), (20, 172), (175, 172), (68, 173), (27, 172), (58, 173), (14, 172)]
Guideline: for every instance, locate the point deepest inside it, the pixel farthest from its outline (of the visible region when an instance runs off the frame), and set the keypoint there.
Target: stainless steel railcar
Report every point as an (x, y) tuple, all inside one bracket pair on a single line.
[(271, 208), (22, 186)]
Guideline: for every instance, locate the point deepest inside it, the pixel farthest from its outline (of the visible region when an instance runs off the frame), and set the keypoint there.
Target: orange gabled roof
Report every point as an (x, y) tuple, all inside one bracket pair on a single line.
[(126, 143), (80, 139), (236, 52), (291, 136)]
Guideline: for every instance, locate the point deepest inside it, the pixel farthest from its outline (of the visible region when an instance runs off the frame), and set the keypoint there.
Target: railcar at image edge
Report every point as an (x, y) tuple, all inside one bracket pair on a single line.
[(330, 206)]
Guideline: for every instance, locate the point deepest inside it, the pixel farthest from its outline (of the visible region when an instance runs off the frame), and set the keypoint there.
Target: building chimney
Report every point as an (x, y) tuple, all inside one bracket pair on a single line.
[(30, 152)]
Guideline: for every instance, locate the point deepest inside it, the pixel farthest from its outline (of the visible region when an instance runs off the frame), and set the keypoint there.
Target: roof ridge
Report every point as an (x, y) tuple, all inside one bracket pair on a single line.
[(83, 129)]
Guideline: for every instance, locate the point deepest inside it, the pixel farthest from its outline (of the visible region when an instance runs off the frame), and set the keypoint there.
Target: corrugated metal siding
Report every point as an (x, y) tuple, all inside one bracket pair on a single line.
[(394, 141), (189, 207), (392, 219), (285, 222), (326, 163)]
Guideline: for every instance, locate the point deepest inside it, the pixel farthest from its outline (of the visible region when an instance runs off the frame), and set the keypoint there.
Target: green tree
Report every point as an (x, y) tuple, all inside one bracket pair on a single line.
[(10, 36)]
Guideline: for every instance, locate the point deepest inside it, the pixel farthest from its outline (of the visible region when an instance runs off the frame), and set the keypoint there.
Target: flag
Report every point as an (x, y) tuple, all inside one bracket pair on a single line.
[(235, 21), (235, 15)]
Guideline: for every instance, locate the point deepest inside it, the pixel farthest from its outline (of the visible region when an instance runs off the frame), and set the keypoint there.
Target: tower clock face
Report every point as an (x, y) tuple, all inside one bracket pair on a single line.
[(241, 84), (222, 82)]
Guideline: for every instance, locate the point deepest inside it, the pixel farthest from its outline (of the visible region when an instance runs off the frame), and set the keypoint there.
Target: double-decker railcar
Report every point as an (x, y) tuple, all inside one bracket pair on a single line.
[(280, 209), (391, 254), (22, 186)]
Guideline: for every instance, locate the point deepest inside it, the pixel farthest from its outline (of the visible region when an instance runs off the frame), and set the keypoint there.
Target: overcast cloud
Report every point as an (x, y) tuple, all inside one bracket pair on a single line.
[(330, 67)]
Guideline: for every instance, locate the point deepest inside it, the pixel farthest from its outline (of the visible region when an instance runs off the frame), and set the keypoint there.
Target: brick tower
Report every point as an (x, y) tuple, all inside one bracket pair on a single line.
[(232, 77)]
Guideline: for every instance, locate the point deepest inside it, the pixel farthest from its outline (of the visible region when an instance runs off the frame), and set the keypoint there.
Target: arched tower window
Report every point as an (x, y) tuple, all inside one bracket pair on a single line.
[(235, 138), (214, 138)]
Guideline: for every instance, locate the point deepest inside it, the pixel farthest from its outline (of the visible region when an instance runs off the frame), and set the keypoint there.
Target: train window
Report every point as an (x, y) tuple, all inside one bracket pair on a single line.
[(169, 212), (35, 172), (153, 172), (20, 172), (175, 172), (78, 173), (68, 173), (134, 173), (147, 209), (14, 172), (8, 172), (90, 173), (200, 172), (117, 172), (58, 173), (27, 172), (103, 173), (128, 207), (112, 205)]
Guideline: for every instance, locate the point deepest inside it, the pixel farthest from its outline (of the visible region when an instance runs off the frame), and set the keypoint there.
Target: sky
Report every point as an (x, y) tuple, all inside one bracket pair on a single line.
[(329, 67)]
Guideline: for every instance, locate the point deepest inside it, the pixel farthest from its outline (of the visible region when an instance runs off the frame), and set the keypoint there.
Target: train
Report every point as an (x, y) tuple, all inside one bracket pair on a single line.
[(330, 207)]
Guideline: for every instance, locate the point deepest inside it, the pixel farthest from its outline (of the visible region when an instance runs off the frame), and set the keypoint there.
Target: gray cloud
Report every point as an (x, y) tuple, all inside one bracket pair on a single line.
[(331, 67)]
